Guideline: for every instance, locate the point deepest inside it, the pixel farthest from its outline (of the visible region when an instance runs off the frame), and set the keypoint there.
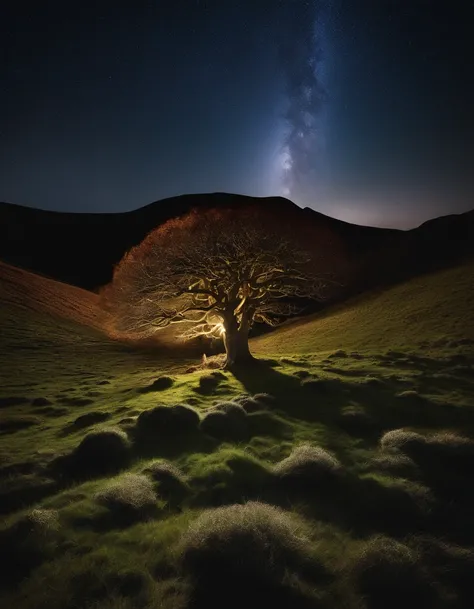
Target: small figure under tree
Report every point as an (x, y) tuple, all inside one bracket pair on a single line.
[(216, 272)]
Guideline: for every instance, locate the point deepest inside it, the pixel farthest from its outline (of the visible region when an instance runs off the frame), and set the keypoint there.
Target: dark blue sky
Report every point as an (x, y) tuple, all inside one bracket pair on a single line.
[(361, 110)]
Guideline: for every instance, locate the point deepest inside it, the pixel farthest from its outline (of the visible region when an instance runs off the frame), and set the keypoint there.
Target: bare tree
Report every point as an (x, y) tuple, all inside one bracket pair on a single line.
[(215, 272)]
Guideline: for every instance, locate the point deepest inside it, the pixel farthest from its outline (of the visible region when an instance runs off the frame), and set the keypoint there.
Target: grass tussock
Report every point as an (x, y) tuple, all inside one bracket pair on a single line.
[(41, 401), (395, 465), (449, 564), (130, 498), (242, 552), (28, 542), (232, 409), (100, 452), (355, 421), (171, 482), (249, 404), (226, 425), (267, 399), (90, 418), (164, 420), (308, 465), (228, 475), (402, 440), (160, 384), (395, 506), (16, 423), (209, 382), (391, 575)]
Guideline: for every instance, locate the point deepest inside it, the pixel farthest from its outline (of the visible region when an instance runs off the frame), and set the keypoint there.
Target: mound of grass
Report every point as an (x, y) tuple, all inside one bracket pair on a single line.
[(449, 564), (267, 424), (209, 382), (129, 498), (224, 426), (228, 475), (232, 409), (355, 420), (402, 440), (396, 465), (243, 552), (389, 574), (308, 465), (453, 449), (265, 398), (15, 423), (41, 402), (159, 384), (162, 470), (302, 374), (393, 505), (172, 483), (165, 420), (410, 394), (249, 404), (91, 418), (27, 543), (100, 452)]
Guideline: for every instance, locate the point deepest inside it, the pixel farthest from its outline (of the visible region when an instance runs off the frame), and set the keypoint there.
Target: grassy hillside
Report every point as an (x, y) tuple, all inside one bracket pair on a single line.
[(27, 291), (283, 486), (430, 311)]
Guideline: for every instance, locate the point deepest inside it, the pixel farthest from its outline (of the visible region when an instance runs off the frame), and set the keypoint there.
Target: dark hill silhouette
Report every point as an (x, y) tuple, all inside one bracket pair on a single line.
[(81, 249)]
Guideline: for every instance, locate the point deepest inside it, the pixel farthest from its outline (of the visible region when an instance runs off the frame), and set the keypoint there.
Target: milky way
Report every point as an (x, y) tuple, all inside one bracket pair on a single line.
[(300, 56)]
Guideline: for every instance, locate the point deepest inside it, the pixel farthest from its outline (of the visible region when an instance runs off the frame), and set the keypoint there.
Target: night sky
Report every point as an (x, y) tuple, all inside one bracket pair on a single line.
[(363, 110)]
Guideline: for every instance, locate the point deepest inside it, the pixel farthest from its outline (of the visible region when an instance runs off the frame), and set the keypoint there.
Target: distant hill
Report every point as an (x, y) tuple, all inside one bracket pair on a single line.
[(81, 249)]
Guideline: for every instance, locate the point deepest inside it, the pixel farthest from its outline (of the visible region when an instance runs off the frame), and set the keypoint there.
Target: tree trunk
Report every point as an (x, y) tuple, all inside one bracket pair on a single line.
[(236, 343)]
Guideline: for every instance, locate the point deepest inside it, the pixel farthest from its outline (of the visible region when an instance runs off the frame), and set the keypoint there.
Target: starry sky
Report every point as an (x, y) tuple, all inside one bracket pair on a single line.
[(361, 110)]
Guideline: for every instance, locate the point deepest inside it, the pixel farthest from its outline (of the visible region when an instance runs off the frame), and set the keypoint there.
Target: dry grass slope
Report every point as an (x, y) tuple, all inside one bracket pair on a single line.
[(27, 291)]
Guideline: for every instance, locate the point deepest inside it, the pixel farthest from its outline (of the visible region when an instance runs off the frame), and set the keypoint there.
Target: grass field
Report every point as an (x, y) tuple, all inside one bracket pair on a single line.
[(282, 486)]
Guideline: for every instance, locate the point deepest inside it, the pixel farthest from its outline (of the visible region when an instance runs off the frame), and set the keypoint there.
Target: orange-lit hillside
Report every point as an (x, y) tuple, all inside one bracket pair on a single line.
[(28, 291)]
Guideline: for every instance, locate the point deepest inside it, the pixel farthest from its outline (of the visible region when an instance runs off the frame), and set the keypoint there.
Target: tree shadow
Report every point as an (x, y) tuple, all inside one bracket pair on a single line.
[(291, 396), (330, 400)]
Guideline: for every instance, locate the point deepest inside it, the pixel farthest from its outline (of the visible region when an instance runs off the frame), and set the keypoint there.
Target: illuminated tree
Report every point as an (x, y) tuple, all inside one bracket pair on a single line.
[(215, 272)]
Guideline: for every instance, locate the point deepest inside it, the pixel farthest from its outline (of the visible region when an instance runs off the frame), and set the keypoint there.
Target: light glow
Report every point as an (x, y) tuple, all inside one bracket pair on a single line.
[(207, 328)]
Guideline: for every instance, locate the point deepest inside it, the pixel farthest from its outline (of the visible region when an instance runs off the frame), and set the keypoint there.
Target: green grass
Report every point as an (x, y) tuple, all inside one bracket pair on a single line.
[(392, 519), (430, 313)]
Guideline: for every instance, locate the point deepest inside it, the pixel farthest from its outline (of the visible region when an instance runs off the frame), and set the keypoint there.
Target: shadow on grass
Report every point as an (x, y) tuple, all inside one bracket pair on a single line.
[(20, 492), (170, 446), (326, 400)]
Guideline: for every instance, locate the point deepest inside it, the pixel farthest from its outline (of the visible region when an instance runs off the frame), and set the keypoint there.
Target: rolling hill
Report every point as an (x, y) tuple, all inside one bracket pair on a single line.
[(30, 292), (432, 311), (81, 249)]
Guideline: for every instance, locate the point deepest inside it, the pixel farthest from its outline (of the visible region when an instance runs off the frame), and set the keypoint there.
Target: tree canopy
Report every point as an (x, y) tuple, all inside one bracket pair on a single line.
[(215, 272)]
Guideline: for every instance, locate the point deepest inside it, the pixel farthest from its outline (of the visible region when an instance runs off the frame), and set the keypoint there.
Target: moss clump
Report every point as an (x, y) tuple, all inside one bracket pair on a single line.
[(164, 420), (308, 465), (100, 452), (131, 496), (240, 550)]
